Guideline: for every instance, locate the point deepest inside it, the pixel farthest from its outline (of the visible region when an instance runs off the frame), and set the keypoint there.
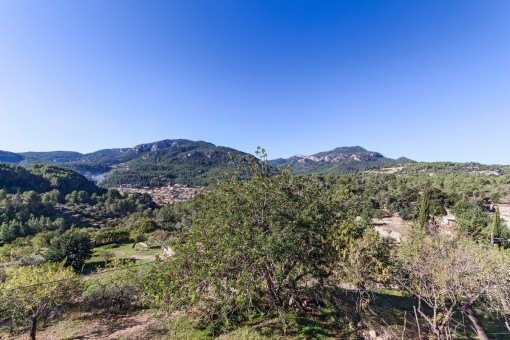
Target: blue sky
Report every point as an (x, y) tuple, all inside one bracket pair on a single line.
[(429, 80)]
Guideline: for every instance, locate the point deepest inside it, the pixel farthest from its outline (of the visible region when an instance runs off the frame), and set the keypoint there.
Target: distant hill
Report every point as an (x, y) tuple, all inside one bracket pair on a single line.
[(10, 157), (52, 156), (197, 163), (338, 161), (43, 178), (182, 161), (453, 169), (14, 178)]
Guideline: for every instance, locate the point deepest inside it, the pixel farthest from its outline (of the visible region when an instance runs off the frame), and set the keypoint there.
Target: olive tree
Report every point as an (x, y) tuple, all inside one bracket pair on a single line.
[(31, 292), (363, 264), (116, 287)]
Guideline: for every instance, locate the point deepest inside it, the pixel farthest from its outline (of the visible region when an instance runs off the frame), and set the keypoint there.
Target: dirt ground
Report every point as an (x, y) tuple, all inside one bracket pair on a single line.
[(395, 227), (504, 211), (81, 326)]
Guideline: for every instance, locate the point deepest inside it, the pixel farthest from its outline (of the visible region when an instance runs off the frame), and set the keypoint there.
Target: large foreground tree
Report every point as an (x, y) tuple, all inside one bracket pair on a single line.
[(253, 247)]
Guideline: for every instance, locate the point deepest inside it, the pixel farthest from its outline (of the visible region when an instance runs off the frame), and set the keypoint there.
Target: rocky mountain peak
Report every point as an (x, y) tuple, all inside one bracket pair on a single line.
[(353, 153)]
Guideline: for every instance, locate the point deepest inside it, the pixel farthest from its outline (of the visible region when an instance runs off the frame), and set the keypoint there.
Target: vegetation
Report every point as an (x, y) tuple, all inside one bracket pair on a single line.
[(452, 169), (193, 164), (450, 276), (471, 220), (260, 254), (43, 178), (153, 164), (496, 228), (47, 198), (73, 248), (31, 292), (115, 288), (340, 161), (252, 248)]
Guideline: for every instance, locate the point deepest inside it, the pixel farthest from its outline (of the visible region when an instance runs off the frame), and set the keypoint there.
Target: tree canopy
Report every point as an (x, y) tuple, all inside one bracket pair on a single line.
[(252, 246)]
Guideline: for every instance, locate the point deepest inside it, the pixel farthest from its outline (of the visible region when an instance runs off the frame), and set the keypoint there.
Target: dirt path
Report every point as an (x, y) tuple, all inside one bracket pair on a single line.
[(504, 211)]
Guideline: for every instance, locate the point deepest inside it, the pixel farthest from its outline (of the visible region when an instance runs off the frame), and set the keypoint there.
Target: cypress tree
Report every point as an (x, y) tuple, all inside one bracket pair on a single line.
[(423, 216), (496, 224)]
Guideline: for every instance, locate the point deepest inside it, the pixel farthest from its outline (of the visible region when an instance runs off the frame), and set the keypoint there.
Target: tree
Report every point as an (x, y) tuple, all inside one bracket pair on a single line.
[(471, 220), (116, 286), (364, 263), (437, 200), (448, 276), (31, 292), (423, 216), (252, 247), (141, 230), (74, 246), (496, 228)]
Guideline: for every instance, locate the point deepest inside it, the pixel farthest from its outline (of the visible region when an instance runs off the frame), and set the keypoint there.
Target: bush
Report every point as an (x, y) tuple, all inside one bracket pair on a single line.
[(117, 288), (73, 247)]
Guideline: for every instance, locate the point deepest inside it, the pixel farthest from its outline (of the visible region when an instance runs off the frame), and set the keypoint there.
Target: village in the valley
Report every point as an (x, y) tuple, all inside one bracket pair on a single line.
[(170, 194)]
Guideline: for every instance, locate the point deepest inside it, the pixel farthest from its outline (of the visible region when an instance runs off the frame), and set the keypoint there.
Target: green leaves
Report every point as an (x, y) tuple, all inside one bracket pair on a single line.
[(471, 220), (496, 227), (73, 247), (252, 245), (30, 292)]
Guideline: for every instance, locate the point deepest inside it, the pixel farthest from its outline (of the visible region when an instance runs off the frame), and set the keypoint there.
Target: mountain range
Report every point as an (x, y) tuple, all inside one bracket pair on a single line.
[(187, 162), (152, 164)]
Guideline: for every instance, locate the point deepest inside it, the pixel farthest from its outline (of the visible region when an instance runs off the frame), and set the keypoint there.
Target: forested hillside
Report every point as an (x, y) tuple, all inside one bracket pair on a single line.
[(182, 161), (454, 169), (47, 198), (190, 164), (10, 157), (196, 163)]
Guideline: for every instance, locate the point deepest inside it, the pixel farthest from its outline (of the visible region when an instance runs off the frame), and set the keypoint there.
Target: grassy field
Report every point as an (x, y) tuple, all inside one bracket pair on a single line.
[(124, 251)]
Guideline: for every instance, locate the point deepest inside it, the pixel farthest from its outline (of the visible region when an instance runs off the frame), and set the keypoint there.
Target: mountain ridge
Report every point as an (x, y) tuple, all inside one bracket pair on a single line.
[(197, 163), (148, 164), (340, 160)]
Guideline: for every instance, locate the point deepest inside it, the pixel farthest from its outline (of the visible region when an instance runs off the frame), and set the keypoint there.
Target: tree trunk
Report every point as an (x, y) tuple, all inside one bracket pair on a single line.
[(33, 329), (507, 325), (476, 323), (506, 309), (441, 333)]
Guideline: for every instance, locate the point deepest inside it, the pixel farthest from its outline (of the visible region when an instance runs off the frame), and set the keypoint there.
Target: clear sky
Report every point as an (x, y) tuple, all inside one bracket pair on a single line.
[(428, 79)]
